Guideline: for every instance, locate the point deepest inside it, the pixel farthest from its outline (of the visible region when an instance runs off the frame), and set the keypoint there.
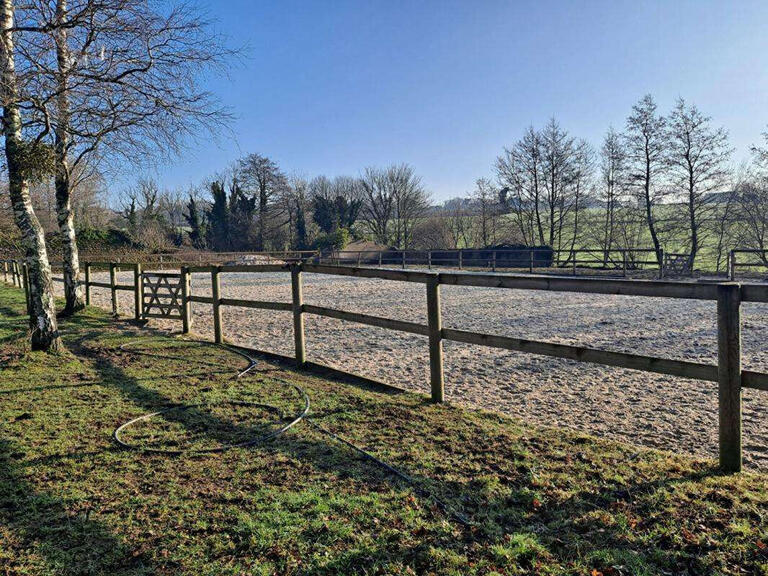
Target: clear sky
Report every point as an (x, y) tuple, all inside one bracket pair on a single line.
[(331, 87)]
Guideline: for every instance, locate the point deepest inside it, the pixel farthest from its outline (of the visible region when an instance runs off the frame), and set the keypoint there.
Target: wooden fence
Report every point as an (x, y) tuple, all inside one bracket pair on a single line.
[(746, 258), (727, 373)]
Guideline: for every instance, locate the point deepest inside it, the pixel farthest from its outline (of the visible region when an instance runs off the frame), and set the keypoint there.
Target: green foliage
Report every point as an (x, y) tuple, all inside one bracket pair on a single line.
[(218, 218), (197, 224), (333, 241), (333, 213), (37, 160)]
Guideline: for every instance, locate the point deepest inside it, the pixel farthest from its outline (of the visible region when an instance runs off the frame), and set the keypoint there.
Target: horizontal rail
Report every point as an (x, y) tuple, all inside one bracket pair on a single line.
[(201, 299), (377, 321), (254, 268), (258, 304), (617, 359), (652, 288), (754, 380), (162, 316), (381, 273)]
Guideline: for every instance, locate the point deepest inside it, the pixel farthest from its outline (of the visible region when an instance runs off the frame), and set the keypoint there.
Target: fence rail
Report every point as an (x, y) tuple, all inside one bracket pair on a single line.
[(729, 296)]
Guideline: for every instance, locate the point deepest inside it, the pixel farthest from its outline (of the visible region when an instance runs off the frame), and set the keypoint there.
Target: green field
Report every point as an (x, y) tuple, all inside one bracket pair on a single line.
[(538, 500)]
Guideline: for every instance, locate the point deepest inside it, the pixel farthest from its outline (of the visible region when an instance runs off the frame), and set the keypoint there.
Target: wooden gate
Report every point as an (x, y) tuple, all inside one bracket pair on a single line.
[(677, 265), (162, 295)]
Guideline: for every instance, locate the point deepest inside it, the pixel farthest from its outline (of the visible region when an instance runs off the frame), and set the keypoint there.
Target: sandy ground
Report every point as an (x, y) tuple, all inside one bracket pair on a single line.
[(653, 410)]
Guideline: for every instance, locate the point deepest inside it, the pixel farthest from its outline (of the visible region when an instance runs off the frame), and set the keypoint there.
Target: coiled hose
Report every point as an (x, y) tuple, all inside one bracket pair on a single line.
[(288, 423)]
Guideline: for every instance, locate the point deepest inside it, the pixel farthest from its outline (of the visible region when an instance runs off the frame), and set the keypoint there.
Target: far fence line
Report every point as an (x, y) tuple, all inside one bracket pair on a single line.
[(535, 260), (176, 299)]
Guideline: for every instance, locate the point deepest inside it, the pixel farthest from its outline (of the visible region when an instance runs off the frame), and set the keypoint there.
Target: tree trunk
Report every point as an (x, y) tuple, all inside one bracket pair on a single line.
[(73, 293), (42, 311), (649, 211)]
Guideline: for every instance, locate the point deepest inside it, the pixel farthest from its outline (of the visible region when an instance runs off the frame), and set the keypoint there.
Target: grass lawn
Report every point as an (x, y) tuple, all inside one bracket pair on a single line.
[(541, 501)]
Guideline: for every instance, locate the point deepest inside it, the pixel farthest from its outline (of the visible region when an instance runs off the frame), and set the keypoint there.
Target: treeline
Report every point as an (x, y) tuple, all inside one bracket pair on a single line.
[(255, 206)]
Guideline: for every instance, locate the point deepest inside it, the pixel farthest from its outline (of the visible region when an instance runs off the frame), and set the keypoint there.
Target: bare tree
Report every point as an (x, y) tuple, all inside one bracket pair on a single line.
[(22, 160), (486, 199), (612, 186), (646, 145), (558, 155), (519, 173), (411, 202), (698, 159), (378, 203)]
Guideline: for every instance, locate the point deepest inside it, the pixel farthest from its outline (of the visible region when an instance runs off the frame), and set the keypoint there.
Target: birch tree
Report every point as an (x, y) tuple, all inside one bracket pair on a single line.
[(116, 80), (22, 159)]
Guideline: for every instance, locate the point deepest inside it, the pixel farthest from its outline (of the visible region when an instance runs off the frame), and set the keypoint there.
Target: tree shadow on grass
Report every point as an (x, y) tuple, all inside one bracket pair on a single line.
[(575, 528), (42, 525)]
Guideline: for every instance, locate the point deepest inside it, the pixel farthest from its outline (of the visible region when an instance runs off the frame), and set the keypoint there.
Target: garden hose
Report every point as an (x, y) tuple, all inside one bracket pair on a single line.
[(301, 416)]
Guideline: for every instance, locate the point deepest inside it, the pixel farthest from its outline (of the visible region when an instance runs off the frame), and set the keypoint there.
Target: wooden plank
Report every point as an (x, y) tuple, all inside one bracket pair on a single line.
[(666, 366), (754, 293), (257, 304), (255, 268), (201, 299), (729, 376), (381, 273), (652, 288), (754, 380), (434, 322), (297, 303), (100, 284), (162, 316), (388, 323)]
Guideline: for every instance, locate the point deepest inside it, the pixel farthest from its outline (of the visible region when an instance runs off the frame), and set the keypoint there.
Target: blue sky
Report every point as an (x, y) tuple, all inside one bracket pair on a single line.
[(332, 87)]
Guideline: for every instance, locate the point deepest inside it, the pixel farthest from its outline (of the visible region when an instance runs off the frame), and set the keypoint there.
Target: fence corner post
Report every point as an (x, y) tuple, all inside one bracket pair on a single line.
[(298, 316), (435, 324), (729, 375), (138, 291), (112, 289), (186, 307), (216, 297)]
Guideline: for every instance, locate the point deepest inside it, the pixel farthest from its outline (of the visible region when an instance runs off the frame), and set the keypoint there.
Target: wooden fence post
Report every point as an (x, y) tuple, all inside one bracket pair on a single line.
[(435, 339), (379, 258), (138, 291), (729, 375), (429, 259), (624, 264), (186, 305), (113, 290), (298, 316), (5, 271), (494, 261), (87, 283), (403, 259), (573, 254), (732, 265), (530, 261), (460, 259), (661, 262), (216, 295)]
